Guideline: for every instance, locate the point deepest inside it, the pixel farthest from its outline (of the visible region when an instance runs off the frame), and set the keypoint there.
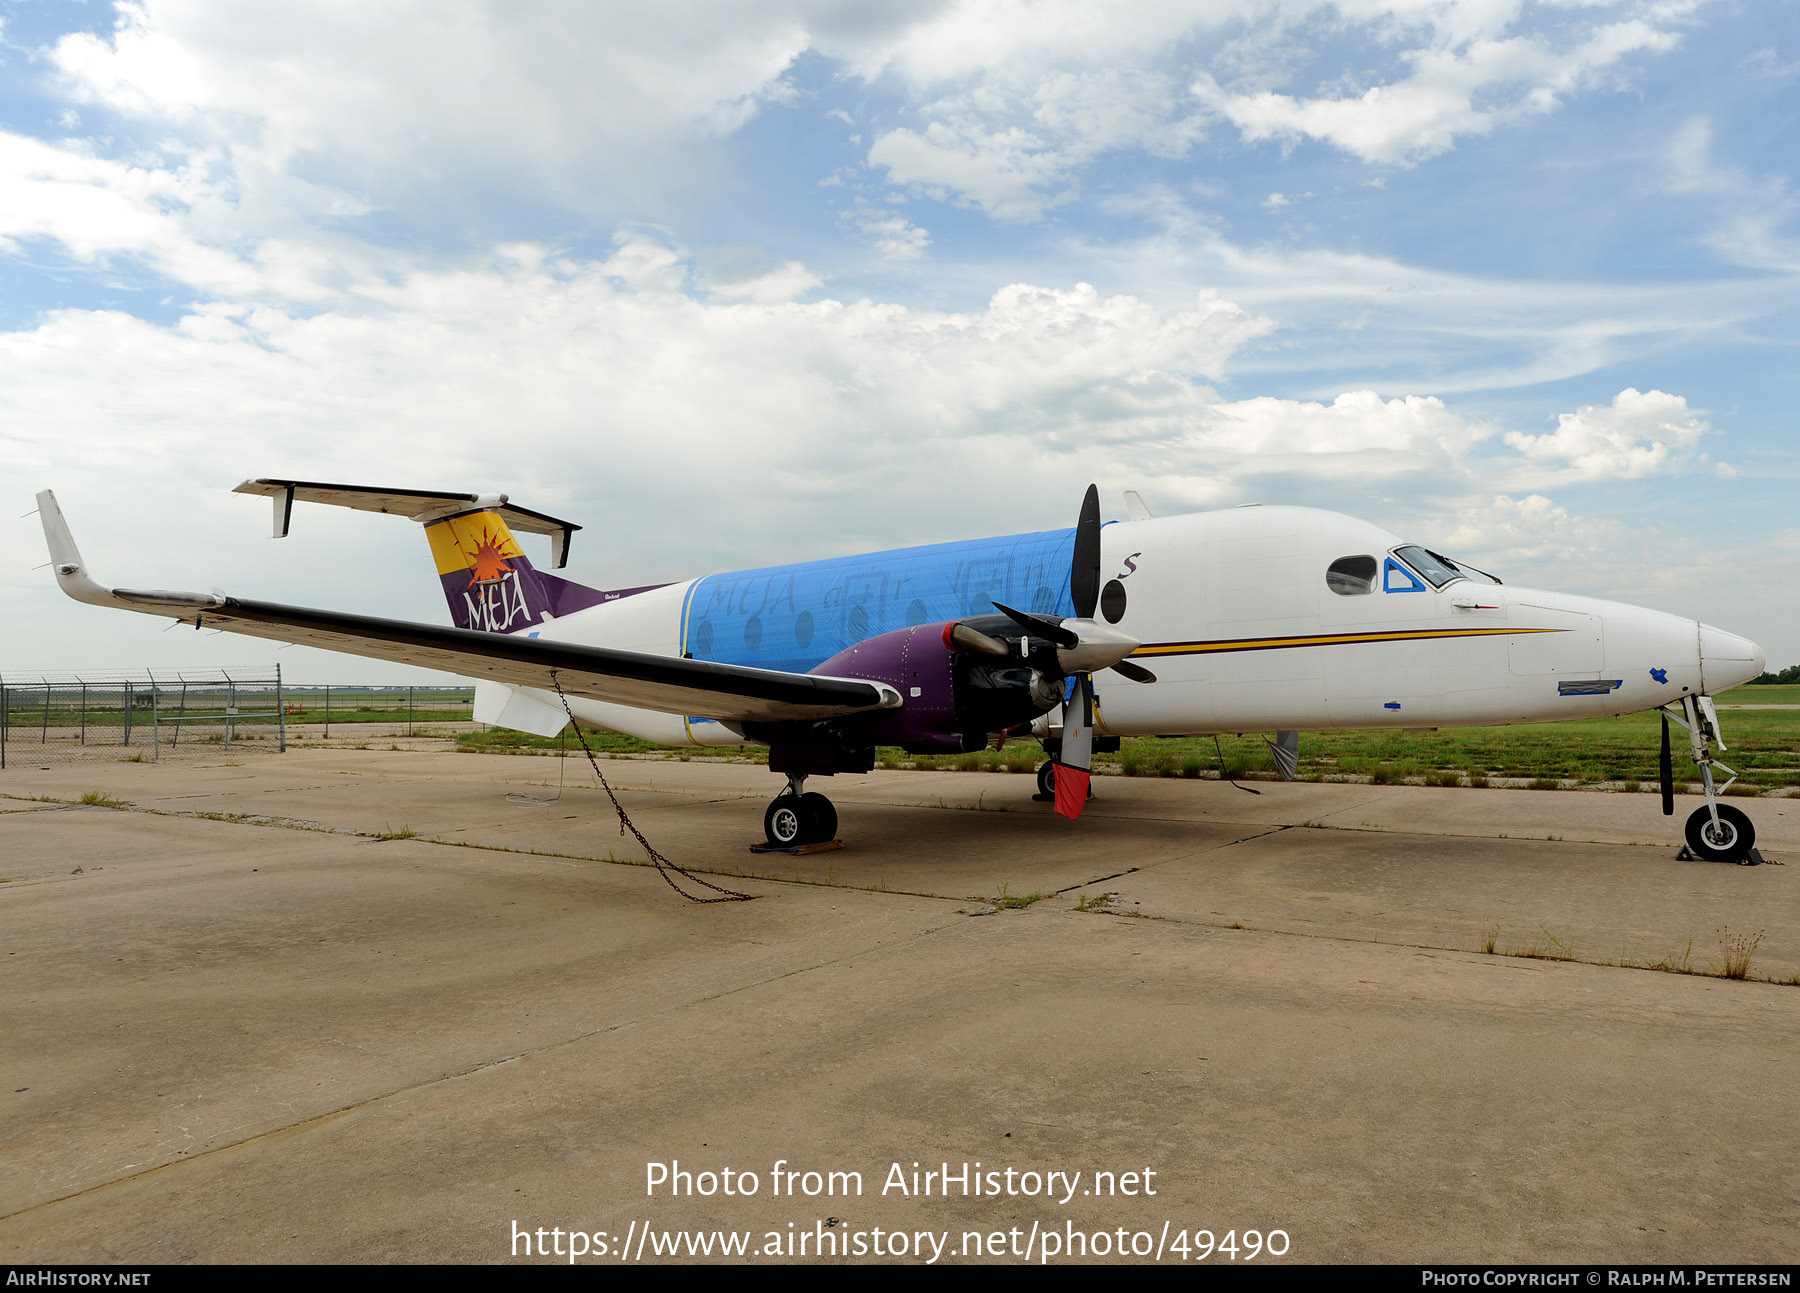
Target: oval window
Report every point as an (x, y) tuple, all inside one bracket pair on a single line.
[(859, 623), (1352, 576), (753, 634), (803, 629), (703, 640), (1112, 601)]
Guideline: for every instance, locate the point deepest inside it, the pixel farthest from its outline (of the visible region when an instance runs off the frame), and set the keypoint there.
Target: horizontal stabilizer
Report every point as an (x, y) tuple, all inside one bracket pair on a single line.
[(422, 505)]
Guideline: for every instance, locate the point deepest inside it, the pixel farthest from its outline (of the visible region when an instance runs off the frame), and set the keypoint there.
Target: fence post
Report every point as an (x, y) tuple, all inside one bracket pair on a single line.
[(4, 716), (327, 711), (155, 725), (230, 707), (281, 712), (44, 736), (84, 711), (127, 699), (409, 692)]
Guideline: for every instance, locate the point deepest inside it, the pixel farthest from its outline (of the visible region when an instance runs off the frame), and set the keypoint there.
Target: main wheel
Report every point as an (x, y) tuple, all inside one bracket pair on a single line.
[(1729, 841), (784, 821), (819, 818), (1047, 778)]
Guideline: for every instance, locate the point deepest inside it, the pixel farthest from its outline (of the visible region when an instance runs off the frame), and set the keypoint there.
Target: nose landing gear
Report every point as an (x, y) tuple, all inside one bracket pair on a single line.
[(797, 816), (1718, 832)]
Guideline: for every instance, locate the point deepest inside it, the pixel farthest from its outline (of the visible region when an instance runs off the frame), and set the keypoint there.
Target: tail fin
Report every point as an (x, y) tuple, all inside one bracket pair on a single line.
[(487, 580)]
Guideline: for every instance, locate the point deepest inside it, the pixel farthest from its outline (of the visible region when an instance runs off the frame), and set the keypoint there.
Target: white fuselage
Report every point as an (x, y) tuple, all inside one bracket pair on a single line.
[(1244, 632)]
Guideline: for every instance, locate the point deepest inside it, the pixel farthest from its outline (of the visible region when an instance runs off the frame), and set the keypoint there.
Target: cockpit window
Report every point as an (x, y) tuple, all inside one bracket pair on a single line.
[(1440, 570), (1351, 576)]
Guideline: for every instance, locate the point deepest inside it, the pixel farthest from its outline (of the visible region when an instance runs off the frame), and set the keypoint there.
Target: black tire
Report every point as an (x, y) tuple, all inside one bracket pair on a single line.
[(785, 821), (819, 818), (1047, 779), (1730, 841)]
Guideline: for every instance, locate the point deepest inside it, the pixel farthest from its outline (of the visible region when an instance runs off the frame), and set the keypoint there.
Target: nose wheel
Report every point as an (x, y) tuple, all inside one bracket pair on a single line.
[(1729, 839), (1718, 832)]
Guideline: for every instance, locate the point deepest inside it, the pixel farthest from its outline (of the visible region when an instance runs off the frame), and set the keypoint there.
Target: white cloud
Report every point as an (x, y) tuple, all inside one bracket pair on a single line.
[(894, 236), (414, 104), (773, 285), (97, 209), (610, 382), (1005, 171), (1458, 85), (1639, 434), (1015, 99), (422, 100), (1531, 529), (1755, 213)]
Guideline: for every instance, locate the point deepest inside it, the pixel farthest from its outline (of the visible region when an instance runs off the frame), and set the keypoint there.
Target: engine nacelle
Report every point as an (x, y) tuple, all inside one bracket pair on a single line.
[(952, 699)]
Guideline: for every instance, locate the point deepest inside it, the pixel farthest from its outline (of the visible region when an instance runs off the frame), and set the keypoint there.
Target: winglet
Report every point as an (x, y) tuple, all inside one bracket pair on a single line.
[(65, 557), (72, 573)]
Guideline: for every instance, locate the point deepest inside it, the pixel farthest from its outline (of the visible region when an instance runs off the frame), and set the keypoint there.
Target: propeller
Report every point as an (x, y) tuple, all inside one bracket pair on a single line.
[(1078, 647), (1083, 645)]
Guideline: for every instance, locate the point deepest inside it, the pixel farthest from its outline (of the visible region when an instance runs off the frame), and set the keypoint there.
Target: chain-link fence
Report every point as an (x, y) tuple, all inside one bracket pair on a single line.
[(378, 711), (48, 718)]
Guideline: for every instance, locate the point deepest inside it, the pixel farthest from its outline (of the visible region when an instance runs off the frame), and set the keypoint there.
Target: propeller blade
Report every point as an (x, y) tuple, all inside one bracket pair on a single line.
[(1050, 630), (1084, 570), (1072, 769), (1135, 672), (960, 637), (1666, 772), (1286, 749)]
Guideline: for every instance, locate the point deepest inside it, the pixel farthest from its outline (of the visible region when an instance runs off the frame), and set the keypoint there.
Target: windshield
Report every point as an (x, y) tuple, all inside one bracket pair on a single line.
[(1440, 570)]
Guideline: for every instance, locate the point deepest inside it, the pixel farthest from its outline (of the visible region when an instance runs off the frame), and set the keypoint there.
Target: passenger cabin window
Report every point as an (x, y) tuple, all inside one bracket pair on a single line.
[(1352, 576), (1440, 570)]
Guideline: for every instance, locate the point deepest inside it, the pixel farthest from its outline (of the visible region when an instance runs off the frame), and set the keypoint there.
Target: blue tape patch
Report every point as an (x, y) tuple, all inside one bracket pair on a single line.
[(1661, 675), (1589, 686), (1411, 584), (1392, 704), (794, 617)]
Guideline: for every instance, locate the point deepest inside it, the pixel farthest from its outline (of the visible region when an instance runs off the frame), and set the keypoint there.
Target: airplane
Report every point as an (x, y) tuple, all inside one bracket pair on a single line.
[(1249, 619)]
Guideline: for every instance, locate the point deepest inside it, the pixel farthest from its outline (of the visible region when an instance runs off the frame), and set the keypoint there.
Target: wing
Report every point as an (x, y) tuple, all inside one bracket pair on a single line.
[(667, 684)]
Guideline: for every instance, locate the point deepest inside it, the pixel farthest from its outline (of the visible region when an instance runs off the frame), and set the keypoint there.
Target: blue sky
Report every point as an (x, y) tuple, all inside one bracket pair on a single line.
[(741, 283)]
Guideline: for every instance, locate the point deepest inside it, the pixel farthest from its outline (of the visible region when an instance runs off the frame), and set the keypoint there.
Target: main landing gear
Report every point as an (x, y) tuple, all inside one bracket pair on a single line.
[(797, 816), (1718, 832)]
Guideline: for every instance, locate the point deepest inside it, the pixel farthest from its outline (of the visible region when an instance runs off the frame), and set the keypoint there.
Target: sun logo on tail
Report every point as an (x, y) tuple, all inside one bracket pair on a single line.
[(487, 562)]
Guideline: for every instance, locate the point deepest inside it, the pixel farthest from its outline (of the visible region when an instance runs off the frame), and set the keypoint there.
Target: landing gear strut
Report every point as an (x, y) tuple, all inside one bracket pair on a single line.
[(1717, 832), (797, 816)]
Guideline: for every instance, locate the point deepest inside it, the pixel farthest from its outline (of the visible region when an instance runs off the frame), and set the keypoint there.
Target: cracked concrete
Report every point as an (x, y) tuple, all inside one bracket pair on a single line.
[(277, 1037)]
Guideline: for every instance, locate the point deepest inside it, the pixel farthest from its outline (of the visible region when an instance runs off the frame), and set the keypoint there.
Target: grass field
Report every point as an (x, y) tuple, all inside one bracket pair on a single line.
[(1621, 752)]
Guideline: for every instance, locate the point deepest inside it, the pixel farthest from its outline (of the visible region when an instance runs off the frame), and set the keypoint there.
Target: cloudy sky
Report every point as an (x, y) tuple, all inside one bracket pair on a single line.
[(742, 281)]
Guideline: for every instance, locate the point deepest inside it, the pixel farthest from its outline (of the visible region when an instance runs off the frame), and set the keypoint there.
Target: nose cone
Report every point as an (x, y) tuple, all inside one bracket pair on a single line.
[(1727, 660)]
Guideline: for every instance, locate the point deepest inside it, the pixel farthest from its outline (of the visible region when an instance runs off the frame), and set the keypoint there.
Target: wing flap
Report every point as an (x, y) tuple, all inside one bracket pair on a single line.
[(668, 684)]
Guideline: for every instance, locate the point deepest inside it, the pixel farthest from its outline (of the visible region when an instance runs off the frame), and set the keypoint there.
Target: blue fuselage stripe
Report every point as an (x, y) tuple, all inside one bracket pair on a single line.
[(796, 617)]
